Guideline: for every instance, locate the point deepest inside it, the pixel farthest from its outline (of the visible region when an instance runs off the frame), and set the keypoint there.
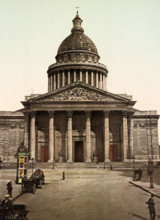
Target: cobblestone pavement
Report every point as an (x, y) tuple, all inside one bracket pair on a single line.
[(86, 194)]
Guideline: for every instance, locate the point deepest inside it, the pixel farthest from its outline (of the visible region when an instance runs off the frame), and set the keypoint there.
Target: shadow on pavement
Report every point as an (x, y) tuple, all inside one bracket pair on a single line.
[(139, 216)]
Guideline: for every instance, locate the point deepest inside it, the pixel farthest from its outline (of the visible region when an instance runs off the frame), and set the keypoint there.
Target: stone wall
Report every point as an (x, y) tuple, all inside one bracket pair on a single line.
[(145, 135), (11, 134)]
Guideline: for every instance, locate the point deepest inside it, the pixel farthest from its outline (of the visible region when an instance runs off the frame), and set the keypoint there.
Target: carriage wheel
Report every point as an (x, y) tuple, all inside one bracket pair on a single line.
[(34, 188), (40, 184)]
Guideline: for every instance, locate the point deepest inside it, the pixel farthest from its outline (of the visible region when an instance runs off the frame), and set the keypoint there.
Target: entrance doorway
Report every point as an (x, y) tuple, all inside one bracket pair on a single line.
[(78, 151), (113, 152), (44, 153)]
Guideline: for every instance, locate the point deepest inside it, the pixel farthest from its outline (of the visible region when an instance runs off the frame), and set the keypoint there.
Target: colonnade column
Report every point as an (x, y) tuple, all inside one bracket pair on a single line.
[(130, 137), (51, 136), (106, 136), (88, 137), (54, 84), (97, 79), (26, 129), (69, 150), (63, 79), (125, 136), (51, 83), (69, 77), (86, 77), (100, 83), (58, 81), (74, 76), (80, 77), (104, 82), (33, 135), (92, 78)]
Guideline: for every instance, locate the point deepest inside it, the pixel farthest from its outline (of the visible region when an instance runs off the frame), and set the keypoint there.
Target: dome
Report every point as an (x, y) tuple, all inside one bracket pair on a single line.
[(77, 42)]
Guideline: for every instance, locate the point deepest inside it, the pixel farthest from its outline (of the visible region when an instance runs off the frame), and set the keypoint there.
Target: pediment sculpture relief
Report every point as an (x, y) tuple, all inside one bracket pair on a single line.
[(79, 94)]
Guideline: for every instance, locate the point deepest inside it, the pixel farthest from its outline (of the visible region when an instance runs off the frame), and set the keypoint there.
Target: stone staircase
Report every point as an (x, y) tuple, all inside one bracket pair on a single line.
[(108, 165)]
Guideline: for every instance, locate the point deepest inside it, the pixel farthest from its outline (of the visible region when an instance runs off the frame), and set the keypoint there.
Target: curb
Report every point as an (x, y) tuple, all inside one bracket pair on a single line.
[(146, 190)]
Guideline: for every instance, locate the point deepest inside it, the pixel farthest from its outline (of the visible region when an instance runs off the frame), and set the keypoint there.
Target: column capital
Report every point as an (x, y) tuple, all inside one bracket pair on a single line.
[(124, 114), (33, 114), (69, 113), (88, 114), (106, 114), (26, 114), (51, 114), (130, 115)]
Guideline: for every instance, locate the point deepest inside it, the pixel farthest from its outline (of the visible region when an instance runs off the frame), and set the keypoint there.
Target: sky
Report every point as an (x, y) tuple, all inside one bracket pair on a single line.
[(125, 32)]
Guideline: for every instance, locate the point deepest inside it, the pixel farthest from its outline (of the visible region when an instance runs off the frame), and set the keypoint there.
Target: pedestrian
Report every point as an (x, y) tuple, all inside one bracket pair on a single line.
[(7, 207), (0, 163), (97, 164), (63, 175), (9, 188), (151, 207)]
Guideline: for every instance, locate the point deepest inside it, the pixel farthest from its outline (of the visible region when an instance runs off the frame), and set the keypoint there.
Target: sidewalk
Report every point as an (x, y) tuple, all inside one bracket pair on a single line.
[(5, 177), (146, 187)]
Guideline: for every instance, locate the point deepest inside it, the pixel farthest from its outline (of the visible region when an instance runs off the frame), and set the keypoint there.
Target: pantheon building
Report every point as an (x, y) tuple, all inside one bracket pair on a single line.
[(78, 119)]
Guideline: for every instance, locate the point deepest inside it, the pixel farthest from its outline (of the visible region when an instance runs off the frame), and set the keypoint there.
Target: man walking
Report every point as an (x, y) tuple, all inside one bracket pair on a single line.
[(151, 207)]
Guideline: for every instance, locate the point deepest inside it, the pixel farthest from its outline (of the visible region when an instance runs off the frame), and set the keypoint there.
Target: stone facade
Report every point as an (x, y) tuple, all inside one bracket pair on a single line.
[(11, 134), (78, 116)]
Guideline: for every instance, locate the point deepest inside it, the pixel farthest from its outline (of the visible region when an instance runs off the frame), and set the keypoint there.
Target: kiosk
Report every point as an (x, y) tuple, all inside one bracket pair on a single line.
[(22, 163)]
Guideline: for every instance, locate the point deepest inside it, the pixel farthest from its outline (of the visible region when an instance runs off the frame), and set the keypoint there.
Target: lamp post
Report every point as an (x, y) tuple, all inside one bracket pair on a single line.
[(32, 164), (150, 173), (133, 168)]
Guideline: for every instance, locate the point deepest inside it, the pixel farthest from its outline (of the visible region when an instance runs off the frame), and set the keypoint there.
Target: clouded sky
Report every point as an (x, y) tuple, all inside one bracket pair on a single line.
[(125, 32)]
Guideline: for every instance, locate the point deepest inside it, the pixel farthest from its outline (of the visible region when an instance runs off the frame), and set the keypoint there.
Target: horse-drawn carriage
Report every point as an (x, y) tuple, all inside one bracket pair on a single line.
[(28, 185), (37, 179)]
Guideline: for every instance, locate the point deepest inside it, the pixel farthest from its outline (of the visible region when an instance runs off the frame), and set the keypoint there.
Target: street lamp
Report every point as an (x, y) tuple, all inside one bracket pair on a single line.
[(133, 168), (150, 173), (32, 164)]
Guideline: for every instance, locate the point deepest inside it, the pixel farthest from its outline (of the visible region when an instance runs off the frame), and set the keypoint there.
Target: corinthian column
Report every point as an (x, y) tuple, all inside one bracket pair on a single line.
[(92, 78), (86, 76), (104, 82), (97, 80), (69, 150), (33, 135), (80, 75), (130, 137), (125, 136), (26, 130), (51, 137), (54, 83), (106, 137), (63, 79), (58, 81), (88, 137), (69, 77), (100, 83)]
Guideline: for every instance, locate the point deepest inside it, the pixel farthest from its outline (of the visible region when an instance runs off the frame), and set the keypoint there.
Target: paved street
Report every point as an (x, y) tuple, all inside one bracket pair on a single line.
[(86, 194)]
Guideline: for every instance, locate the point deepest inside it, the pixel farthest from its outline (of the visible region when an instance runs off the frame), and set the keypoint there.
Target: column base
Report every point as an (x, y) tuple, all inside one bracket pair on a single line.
[(126, 160), (88, 161), (69, 161), (50, 161), (107, 160)]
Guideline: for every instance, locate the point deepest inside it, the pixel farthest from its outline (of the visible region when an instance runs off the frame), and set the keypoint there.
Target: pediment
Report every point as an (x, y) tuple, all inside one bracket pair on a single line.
[(79, 93)]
